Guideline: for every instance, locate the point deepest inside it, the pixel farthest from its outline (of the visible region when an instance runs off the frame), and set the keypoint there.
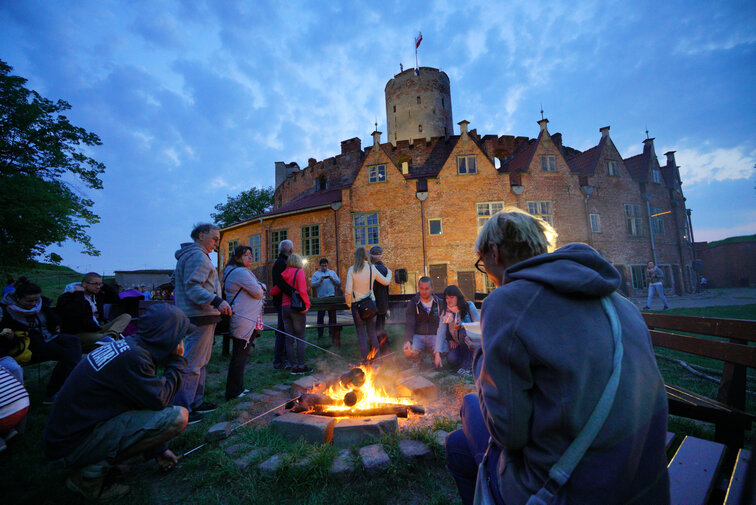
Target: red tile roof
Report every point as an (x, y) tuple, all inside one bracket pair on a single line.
[(520, 160), (585, 163), (638, 167)]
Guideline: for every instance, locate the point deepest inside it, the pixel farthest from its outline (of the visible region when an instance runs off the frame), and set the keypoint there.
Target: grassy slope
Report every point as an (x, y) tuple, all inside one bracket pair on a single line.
[(52, 278)]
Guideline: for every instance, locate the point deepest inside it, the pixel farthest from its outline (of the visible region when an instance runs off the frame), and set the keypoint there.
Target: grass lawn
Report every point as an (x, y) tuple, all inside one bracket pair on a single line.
[(209, 476)]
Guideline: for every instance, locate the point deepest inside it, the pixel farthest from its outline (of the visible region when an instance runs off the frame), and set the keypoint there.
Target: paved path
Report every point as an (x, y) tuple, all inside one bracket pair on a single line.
[(709, 298)]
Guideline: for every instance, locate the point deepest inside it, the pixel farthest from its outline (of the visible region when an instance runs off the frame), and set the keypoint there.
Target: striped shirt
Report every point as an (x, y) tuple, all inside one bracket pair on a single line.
[(11, 391)]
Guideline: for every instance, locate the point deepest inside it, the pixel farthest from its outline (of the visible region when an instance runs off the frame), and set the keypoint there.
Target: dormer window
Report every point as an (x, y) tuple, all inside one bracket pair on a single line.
[(611, 168), (376, 173), (548, 163), (656, 176)]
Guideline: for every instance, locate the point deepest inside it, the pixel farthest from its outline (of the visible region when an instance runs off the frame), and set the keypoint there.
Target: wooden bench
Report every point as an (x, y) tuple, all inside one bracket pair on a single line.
[(702, 472), (732, 345)]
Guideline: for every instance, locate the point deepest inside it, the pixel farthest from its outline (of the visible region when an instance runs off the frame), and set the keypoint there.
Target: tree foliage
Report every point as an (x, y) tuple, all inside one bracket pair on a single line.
[(41, 154), (245, 205)]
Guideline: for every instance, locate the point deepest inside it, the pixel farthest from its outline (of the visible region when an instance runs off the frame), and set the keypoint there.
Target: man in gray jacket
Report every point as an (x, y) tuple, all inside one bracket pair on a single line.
[(197, 293)]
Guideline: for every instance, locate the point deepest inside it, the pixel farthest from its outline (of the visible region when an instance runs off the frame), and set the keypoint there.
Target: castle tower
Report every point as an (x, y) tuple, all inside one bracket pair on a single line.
[(419, 105)]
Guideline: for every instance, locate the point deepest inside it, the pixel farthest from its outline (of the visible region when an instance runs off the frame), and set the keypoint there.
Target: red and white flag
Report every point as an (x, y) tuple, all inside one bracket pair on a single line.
[(418, 39)]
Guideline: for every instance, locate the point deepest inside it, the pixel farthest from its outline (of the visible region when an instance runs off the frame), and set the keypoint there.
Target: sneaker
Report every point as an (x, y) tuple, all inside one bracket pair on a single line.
[(300, 370), (12, 433), (278, 366), (95, 489), (464, 372), (241, 395), (195, 417), (206, 407)]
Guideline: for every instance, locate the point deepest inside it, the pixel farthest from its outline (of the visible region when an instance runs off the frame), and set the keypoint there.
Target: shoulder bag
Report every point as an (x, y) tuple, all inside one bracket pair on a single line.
[(366, 307), (560, 473), (297, 303), (224, 326)]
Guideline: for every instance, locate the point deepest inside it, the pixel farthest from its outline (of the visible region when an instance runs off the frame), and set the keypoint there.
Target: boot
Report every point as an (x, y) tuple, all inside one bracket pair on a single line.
[(98, 488)]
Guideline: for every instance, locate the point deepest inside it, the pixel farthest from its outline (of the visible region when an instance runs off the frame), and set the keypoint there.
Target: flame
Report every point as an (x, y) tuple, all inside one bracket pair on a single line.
[(370, 395)]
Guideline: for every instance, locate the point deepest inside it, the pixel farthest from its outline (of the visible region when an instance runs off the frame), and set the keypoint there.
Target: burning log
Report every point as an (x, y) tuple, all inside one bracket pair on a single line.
[(310, 400), (353, 397), (397, 410), (353, 379)]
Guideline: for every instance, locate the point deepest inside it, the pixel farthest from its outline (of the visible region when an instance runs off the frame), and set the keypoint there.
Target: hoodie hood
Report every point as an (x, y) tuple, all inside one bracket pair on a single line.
[(189, 248), (161, 329), (575, 269), (8, 299)]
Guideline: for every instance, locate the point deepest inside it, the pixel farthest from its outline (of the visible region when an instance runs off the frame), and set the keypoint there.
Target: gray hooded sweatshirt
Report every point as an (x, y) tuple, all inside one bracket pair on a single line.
[(545, 359), (197, 288)]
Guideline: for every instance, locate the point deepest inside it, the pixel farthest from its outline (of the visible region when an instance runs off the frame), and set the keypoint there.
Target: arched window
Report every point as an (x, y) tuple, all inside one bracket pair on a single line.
[(321, 183)]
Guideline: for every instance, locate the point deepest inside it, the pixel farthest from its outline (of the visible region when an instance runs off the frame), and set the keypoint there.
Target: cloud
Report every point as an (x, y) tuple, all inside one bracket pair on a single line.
[(746, 228), (699, 165)]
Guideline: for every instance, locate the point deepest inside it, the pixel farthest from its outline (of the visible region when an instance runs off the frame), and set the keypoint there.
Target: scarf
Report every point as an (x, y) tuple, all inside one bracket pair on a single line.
[(32, 318)]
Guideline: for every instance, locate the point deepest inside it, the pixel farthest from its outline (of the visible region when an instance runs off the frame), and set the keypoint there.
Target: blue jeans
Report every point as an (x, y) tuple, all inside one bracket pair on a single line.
[(365, 329), (465, 449), (459, 357), (198, 346), (279, 348), (659, 288)]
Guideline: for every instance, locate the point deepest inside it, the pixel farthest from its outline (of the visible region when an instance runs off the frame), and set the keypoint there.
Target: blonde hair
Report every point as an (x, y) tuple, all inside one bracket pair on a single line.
[(360, 257), (295, 260), (518, 235)]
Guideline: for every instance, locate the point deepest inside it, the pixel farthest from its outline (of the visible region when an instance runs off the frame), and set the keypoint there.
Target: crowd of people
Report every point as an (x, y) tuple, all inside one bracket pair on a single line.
[(558, 345)]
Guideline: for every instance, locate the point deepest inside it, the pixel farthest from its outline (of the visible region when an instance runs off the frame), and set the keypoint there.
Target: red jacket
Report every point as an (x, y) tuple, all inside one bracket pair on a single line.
[(300, 285)]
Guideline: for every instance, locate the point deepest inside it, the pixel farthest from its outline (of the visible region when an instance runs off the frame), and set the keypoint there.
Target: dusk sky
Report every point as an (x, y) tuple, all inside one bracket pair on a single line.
[(195, 100)]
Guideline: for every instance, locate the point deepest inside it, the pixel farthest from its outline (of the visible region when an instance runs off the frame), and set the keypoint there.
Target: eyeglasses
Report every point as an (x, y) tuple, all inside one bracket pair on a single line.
[(93, 283), (480, 266)]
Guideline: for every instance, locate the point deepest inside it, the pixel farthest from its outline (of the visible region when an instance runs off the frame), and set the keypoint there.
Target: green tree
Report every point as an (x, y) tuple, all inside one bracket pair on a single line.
[(41, 155), (245, 205)]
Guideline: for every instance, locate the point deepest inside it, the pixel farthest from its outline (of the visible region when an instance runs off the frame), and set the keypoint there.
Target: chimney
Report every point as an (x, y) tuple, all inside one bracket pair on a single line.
[(463, 128), (311, 162), (670, 159), (604, 131), (351, 145), (543, 123), (376, 140)]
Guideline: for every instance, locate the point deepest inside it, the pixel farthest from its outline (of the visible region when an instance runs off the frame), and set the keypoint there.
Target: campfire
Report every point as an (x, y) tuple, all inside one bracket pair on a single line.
[(355, 393)]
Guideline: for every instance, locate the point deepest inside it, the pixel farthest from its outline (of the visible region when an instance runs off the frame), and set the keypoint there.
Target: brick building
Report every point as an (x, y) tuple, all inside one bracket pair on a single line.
[(425, 193), (728, 263)]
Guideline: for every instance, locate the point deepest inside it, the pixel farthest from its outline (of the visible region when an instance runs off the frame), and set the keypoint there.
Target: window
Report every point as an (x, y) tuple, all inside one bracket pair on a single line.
[(488, 284), (466, 165), (232, 244), (405, 167), (276, 236), (656, 176), (595, 223), (639, 276), (657, 223), (377, 173), (548, 163), (420, 128), (321, 183), (394, 108), (311, 240), (418, 100), (442, 103), (254, 243), (486, 210), (633, 219), (434, 226), (543, 210), (611, 168), (366, 229)]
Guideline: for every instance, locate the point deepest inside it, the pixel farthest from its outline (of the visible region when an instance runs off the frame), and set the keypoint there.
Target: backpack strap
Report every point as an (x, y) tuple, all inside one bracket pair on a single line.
[(560, 473)]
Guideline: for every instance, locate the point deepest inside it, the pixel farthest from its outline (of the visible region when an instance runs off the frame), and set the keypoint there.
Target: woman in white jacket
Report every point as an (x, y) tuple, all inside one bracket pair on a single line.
[(359, 285), (245, 294)]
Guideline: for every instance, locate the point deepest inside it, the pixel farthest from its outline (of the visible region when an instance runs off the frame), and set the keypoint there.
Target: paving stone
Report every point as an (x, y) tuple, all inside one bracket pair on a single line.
[(431, 375), (272, 464), (440, 437), (313, 429), (357, 430), (259, 397), (304, 461), (233, 450), (304, 385), (218, 431), (273, 393), (342, 463), (374, 457), (243, 462), (418, 387), (244, 416), (284, 388), (407, 373), (414, 449), (242, 406)]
